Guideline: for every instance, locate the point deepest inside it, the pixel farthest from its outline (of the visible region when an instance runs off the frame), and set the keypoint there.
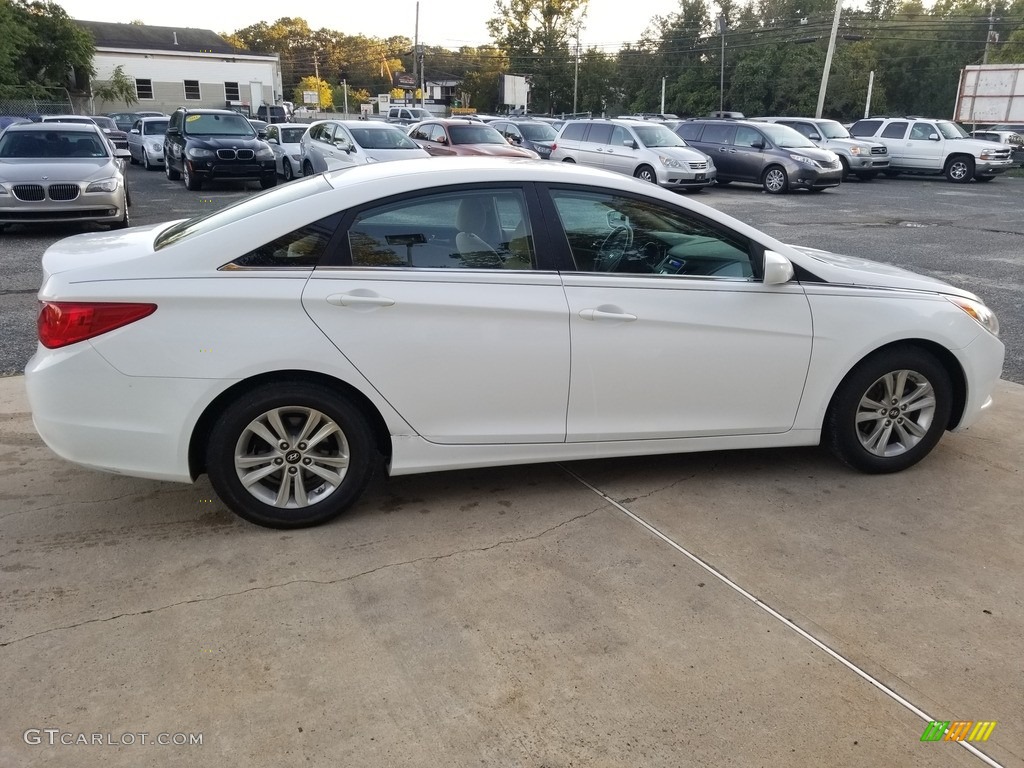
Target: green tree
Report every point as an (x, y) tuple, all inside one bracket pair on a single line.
[(535, 34), (119, 87), (40, 45), (312, 84)]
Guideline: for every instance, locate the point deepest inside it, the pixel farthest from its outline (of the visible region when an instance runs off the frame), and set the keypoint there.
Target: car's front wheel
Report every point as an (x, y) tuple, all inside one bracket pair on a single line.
[(286, 168), (960, 169), (774, 180), (192, 183), (646, 173), (890, 411), (171, 174), (307, 168), (268, 181), (290, 455)]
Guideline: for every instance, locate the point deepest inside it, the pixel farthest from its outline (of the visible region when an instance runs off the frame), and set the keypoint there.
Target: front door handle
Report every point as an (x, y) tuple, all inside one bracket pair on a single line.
[(601, 314), (360, 300)]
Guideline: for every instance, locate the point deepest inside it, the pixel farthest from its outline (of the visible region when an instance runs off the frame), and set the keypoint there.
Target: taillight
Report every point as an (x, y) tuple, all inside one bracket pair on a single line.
[(67, 322), (554, 147)]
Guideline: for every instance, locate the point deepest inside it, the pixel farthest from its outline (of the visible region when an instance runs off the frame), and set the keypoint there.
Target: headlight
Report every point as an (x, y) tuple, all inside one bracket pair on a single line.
[(3, 190), (296, 158), (195, 153), (987, 155), (107, 185), (265, 154), (856, 151), (156, 146), (802, 159), (669, 162), (985, 316)]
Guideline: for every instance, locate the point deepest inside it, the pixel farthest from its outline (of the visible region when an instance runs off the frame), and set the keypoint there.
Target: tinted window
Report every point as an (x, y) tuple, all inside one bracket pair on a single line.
[(689, 131), (805, 128), (538, 132), (154, 127), (865, 127), (291, 135), (478, 229), (573, 132), (748, 137), (51, 143), (718, 133), (219, 125), (475, 134), (894, 130), (600, 133), (612, 233), (302, 248)]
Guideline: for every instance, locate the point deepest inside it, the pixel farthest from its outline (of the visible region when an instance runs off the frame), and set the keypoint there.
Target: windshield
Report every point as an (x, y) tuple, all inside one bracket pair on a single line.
[(658, 136), (292, 135), (420, 114), (105, 123), (952, 130), (218, 125), (784, 136), (51, 144), (537, 131), (243, 209), (830, 129), (382, 138), (475, 134), (155, 127)]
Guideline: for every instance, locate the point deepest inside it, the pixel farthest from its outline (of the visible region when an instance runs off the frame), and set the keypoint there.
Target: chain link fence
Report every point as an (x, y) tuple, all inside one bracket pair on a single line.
[(22, 102)]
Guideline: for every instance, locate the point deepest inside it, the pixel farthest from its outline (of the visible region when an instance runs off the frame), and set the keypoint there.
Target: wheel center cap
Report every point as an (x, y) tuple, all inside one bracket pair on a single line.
[(893, 413), (293, 457)]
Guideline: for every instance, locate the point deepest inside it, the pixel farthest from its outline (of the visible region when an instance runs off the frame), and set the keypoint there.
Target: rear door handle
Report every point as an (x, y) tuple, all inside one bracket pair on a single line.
[(359, 300), (601, 314)]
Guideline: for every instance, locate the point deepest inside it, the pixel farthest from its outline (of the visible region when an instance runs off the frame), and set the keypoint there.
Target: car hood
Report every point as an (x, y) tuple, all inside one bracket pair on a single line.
[(71, 169), (94, 249), (494, 150), (852, 143), (822, 155), (383, 155), (848, 270), (227, 142), (686, 154)]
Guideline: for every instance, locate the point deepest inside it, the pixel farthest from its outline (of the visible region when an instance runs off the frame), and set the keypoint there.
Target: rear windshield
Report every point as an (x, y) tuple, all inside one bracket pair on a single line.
[(243, 209), (218, 125), (537, 131), (292, 135)]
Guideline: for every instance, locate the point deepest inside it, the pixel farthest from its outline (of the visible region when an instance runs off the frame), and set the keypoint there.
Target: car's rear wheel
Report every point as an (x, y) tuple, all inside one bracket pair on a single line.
[(960, 169), (290, 455), (646, 173), (774, 180), (191, 182), (145, 161), (286, 168), (171, 174), (568, 160), (132, 160), (268, 181), (846, 167), (890, 411)]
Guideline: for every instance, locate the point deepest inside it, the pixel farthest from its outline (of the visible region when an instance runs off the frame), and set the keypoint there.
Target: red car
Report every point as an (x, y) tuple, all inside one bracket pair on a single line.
[(448, 138)]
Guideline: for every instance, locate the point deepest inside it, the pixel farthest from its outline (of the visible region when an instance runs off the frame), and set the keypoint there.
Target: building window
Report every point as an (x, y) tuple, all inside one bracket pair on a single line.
[(231, 92), (192, 90), (144, 89)]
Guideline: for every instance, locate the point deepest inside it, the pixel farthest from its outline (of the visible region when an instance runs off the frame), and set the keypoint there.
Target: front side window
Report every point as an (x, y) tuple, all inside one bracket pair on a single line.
[(921, 131), (471, 229), (192, 92), (865, 127), (303, 247), (612, 233), (718, 133), (600, 133), (748, 137)]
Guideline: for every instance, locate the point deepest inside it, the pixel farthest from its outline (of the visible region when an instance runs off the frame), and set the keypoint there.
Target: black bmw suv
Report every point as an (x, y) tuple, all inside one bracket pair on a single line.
[(206, 144)]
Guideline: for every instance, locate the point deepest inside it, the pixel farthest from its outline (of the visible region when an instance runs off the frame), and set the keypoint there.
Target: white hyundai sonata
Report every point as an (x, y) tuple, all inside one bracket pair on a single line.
[(443, 314)]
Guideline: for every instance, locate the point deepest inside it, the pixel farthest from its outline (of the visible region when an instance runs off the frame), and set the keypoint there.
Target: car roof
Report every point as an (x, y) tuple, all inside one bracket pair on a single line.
[(50, 126)]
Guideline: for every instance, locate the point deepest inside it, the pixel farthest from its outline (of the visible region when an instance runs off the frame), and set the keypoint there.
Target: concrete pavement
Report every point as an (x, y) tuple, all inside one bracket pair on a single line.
[(522, 616)]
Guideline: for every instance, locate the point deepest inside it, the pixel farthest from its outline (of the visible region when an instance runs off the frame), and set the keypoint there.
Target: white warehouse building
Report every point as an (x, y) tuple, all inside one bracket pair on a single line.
[(174, 67)]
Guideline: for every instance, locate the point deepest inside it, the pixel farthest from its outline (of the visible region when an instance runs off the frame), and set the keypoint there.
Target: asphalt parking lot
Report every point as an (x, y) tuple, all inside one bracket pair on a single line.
[(748, 608)]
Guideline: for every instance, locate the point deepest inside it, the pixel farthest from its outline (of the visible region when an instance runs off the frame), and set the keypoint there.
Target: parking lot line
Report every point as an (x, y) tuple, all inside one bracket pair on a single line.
[(775, 614)]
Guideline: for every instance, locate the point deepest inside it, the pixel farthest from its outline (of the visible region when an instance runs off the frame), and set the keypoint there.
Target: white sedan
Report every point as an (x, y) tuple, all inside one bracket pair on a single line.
[(452, 313)]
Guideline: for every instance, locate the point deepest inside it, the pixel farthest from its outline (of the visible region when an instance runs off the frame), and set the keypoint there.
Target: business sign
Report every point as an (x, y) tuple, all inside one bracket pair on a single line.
[(403, 80), (310, 97)]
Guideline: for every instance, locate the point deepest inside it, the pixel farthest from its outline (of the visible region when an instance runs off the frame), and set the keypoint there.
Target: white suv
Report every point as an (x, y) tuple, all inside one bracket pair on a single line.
[(647, 150), (922, 145)]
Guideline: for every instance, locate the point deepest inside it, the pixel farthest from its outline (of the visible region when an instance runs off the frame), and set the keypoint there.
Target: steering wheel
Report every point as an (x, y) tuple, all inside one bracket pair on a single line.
[(613, 249)]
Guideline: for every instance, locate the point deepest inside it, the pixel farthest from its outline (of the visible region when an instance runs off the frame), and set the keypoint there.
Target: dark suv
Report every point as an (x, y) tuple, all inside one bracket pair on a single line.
[(774, 156), (206, 144)]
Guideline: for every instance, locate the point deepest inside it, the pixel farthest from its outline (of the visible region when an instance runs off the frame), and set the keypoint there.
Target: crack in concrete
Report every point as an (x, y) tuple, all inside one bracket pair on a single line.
[(318, 582), (67, 503)]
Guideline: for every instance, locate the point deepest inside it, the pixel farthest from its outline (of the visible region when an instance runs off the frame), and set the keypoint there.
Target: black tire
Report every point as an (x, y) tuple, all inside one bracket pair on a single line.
[(846, 168), (192, 183), (646, 173), (286, 167), (268, 181), (866, 176), (568, 160), (878, 444), (307, 168), (891, 174), (132, 160), (171, 174), (294, 402), (984, 178), (959, 169), (145, 161), (774, 180)]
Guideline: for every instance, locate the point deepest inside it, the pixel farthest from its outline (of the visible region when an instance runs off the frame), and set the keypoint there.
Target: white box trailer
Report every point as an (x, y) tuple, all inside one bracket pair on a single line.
[(991, 94)]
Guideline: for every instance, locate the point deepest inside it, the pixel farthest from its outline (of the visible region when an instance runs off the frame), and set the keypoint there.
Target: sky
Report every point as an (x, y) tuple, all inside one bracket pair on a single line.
[(447, 23)]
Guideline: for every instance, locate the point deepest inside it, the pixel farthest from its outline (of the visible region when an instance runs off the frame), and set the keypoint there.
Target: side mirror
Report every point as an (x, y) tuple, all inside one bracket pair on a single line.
[(758, 144), (814, 137), (261, 134), (136, 131), (629, 143), (271, 140), (173, 132), (777, 268), (442, 140), (933, 137), (124, 154)]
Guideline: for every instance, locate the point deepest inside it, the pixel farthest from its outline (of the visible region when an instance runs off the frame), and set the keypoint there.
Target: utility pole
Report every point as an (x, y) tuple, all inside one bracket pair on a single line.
[(416, 45), (663, 94), (867, 104), (344, 86), (722, 23), (991, 31), (576, 77), (828, 60), (316, 69)]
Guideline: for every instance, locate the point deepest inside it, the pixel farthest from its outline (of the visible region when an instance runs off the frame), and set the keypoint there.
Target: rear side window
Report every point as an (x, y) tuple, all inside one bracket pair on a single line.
[(600, 133), (865, 127), (690, 131), (895, 130), (573, 132), (303, 247), (718, 133)]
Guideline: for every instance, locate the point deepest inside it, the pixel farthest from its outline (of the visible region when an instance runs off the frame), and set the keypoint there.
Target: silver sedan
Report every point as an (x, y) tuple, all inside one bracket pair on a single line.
[(53, 172), (146, 141)]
